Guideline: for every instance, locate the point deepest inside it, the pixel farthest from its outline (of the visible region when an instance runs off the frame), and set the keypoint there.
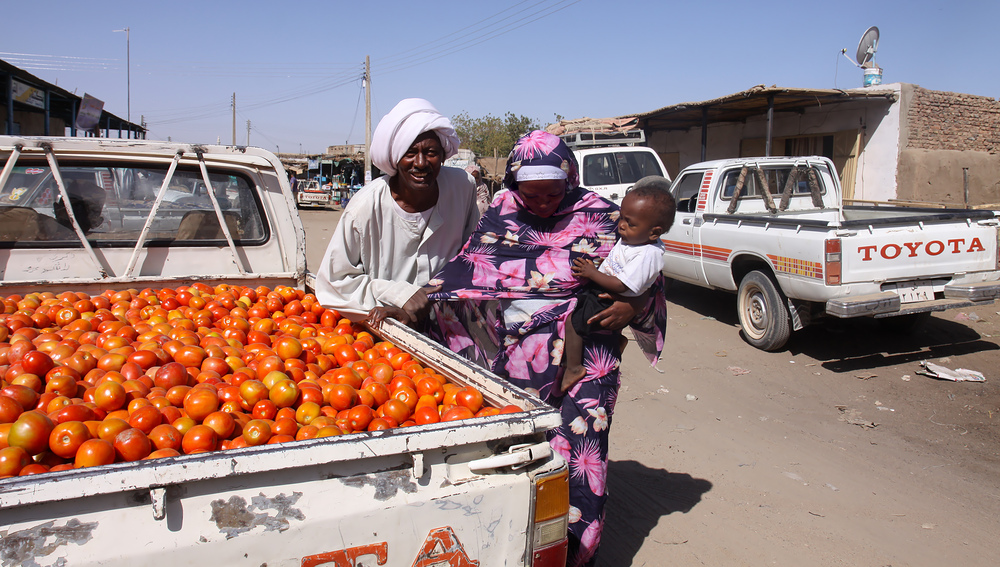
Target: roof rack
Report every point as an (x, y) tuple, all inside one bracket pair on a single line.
[(582, 139)]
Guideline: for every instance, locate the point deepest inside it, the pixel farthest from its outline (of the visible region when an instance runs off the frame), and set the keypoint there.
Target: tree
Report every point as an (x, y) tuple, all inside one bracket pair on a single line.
[(484, 135)]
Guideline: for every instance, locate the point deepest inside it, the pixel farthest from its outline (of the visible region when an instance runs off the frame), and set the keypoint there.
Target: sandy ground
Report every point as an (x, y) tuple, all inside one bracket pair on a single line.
[(831, 452)]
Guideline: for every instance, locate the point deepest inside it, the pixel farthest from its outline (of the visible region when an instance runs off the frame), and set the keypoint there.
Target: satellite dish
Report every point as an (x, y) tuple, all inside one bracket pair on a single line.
[(867, 46)]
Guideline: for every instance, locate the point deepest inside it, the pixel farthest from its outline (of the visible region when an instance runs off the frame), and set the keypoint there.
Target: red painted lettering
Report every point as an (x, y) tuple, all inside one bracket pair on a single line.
[(912, 247), (349, 557), (443, 548), (954, 244), (894, 253), (938, 245), (867, 251), (976, 246)]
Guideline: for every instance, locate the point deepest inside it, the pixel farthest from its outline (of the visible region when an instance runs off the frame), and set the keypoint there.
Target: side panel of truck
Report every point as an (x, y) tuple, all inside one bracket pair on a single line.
[(381, 506)]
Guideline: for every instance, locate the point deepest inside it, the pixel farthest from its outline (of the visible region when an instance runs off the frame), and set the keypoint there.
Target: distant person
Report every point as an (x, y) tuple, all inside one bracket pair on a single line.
[(87, 200), (482, 189), (400, 229), (295, 185)]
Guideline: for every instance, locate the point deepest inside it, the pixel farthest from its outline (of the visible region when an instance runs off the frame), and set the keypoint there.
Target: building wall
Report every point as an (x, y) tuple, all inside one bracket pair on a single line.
[(950, 144), (878, 122)]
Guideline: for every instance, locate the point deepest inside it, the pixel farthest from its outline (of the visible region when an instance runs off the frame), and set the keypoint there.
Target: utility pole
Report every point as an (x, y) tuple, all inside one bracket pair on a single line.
[(234, 119), (368, 122), (248, 133), (128, 79)]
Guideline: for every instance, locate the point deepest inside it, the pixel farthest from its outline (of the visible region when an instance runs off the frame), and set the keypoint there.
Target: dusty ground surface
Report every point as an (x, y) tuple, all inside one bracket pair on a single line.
[(833, 451)]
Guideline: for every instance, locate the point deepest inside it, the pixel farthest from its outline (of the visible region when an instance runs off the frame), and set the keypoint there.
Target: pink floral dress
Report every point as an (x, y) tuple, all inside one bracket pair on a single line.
[(514, 259)]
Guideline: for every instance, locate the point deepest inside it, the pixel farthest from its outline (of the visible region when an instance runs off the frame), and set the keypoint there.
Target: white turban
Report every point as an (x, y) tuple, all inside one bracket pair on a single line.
[(397, 130)]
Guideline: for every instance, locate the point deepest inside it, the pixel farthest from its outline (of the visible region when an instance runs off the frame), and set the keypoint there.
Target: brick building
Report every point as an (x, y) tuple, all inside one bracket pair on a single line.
[(890, 142)]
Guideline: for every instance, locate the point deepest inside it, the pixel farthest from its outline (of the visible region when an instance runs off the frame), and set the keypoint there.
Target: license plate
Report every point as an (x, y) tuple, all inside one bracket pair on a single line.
[(911, 292)]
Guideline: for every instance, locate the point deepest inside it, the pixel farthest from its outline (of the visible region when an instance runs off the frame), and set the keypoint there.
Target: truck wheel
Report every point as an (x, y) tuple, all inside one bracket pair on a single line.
[(763, 313)]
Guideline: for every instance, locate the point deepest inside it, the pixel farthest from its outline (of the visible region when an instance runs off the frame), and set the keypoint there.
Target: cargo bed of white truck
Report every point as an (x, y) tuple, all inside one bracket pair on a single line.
[(481, 491)]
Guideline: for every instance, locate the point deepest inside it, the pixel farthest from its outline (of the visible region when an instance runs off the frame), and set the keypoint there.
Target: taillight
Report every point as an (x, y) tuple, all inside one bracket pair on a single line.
[(831, 264), (549, 542)]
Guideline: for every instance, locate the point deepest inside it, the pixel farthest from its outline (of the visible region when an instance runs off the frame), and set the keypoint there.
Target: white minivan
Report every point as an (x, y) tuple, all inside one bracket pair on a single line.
[(610, 165)]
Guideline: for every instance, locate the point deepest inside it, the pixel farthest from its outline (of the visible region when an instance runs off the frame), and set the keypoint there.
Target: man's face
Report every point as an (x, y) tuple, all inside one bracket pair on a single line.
[(419, 167)]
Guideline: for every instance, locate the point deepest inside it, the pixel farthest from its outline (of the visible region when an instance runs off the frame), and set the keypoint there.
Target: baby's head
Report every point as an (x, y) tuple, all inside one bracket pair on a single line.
[(647, 211)]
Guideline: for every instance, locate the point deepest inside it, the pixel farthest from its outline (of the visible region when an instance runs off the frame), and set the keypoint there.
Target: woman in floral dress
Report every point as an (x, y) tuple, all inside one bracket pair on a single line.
[(508, 296)]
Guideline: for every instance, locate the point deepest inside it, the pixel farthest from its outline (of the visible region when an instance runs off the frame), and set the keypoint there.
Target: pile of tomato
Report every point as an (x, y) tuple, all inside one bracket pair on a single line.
[(130, 375)]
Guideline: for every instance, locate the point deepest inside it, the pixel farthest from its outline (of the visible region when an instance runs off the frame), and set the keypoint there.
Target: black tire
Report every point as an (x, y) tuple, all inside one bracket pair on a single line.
[(763, 312)]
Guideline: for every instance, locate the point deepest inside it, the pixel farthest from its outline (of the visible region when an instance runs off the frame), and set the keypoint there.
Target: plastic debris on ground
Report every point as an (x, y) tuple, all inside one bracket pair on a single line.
[(957, 375)]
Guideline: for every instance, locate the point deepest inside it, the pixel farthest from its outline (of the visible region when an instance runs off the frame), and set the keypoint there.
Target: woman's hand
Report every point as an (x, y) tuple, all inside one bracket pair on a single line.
[(621, 312), (417, 306)]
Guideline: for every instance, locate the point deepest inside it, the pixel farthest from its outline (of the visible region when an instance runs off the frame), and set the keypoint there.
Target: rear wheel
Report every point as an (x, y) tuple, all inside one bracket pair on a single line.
[(763, 313)]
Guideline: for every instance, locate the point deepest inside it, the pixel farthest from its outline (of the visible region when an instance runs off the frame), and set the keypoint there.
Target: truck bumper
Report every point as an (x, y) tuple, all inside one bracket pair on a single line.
[(887, 303)]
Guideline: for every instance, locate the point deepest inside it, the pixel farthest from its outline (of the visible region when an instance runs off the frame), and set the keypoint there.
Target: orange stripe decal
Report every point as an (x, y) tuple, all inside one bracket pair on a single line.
[(796, 266)]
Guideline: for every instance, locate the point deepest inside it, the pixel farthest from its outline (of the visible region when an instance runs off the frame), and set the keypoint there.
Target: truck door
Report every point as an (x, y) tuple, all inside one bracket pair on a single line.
[(682, 258)]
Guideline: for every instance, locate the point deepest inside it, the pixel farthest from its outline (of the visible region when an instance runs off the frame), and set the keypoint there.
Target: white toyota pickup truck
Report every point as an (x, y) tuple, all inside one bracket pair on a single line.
[(483, 491), (775, 231)]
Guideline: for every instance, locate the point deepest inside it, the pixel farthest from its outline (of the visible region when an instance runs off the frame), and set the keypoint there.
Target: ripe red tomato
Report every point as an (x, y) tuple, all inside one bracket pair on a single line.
[(257, 432), (199, 439), (284, 393), (457, 412), (145, 418), (12, 460), (425, 415), (37, 363), (171, 374), (10, 409), (165, 436), (132, 445), (31, 432), (469, 397), (94, 452), (199, 402)]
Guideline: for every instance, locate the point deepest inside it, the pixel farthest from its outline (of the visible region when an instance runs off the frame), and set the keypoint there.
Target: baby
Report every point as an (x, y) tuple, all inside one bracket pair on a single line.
[(647, 211)]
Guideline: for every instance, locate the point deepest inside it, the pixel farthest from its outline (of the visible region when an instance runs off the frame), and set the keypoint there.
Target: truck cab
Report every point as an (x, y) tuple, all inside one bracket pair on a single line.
[(611, 163)]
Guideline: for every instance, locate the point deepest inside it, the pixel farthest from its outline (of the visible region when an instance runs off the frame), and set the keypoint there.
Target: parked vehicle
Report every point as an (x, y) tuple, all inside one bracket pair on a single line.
[(482, 491), (775, 232), (610, 163), (311, 194)]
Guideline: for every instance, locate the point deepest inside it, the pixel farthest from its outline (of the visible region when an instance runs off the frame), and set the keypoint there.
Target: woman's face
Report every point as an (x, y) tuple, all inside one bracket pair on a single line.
[(542, 196)]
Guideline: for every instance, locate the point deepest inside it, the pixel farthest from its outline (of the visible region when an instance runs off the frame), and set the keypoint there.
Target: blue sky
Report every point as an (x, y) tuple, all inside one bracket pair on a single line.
[(295, 66)]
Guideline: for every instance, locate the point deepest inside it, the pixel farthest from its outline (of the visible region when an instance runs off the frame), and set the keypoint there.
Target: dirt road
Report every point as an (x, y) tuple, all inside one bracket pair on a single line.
[(831, 452)]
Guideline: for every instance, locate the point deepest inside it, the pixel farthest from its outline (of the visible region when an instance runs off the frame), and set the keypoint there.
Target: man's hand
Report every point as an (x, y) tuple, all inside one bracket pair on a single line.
[(383, 312)]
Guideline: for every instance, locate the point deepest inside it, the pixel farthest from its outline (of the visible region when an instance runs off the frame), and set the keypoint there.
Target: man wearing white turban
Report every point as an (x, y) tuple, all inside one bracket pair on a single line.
[(401, 228)]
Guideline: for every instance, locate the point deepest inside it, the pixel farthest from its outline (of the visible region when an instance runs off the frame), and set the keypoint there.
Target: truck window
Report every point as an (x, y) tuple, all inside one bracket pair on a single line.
[(599, 169), (776, 179), (685, 191), (111, 204), (633, 166)]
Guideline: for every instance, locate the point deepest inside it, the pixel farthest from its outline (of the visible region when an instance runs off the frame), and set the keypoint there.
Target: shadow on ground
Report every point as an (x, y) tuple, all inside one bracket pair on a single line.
[(638, 497), (848, 345)]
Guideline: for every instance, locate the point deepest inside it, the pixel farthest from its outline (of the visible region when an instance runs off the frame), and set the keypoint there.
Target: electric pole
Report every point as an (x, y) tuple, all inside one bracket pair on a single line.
[(234, 119), (248, 133), (368, 122)]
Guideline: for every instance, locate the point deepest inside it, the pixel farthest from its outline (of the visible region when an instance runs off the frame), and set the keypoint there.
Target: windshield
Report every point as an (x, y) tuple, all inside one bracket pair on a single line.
[(618, 167)]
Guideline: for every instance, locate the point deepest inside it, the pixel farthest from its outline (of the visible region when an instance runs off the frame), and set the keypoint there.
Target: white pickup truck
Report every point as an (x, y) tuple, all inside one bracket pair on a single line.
[(775, 231), (482, 491), (611, 162)]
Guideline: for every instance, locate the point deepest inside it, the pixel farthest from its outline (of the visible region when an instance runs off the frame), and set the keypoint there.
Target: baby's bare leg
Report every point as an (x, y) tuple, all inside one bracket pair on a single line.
[(573, 351)]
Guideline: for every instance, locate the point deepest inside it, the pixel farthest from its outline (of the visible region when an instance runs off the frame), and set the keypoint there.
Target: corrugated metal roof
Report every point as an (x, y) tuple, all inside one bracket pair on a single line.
[(754, 102)]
